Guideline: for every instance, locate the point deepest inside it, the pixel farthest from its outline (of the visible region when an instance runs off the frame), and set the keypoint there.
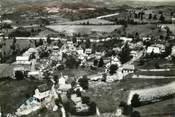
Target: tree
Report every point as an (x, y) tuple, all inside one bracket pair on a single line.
[(40, 42), (20, 32), (135, 102), (71, 62), (74, 39), (19, 75), (95, 62), (155, 17), (135, 114), (88, 43), (168, 50), (101, 63), (127, 109), (137, 37), (84, 83), (85, 100), (104, 76), (48, 40), (150, 16), (125, 54), (112, 69), (162, 18)]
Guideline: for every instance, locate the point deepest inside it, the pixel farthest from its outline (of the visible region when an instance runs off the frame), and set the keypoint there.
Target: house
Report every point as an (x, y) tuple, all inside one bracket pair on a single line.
[(70, 43), (88, 51), (21, 65), (21, 59), (115, 60), (146, 38), (133, 53), (30, 52), (116, 49), (173, 51), (153, 49), (173, 20), (128, 69), (35, 74), (98, 55), (156, 49), (42, 92), (63, 86), (125, 39), (7, 21), (80, 50)]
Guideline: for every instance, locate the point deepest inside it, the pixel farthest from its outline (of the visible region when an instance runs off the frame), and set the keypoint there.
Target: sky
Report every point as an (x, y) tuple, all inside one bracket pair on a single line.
[(155, 0)]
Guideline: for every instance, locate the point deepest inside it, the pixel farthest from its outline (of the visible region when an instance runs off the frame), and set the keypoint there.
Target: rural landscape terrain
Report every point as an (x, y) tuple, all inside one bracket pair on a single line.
[(92, 58)]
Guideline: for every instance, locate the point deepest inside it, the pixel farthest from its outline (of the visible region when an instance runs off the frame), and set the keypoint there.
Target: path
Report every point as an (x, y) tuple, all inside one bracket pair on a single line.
[(109, 15), (152, 77)]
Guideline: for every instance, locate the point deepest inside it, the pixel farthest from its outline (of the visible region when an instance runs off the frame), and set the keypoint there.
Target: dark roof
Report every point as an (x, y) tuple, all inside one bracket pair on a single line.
[(43, 88)]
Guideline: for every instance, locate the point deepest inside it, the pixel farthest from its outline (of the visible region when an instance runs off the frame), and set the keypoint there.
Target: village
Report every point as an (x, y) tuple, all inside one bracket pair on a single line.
[(119, 63)]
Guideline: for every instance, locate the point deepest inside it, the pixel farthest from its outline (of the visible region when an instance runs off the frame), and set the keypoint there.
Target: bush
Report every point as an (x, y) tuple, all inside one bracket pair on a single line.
[(127, 109), (113, 69), (135, 114), (84, 83), (135, 102)]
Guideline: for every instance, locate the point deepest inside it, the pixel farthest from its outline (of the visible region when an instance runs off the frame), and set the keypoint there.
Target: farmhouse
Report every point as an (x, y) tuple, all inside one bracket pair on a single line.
[(42, 92), (127, 69)]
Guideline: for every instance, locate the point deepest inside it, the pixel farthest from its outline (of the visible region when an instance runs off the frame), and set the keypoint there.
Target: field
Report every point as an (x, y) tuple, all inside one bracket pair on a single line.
[(93, 21), (144, 30), (150, 64), (84, 29), (156, 73)]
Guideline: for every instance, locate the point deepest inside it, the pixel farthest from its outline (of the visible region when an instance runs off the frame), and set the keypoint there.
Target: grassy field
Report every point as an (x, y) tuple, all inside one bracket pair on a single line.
[(144, 30), (150, 64), (91, 21), (84, 29), (164, 108), (156, 73)]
